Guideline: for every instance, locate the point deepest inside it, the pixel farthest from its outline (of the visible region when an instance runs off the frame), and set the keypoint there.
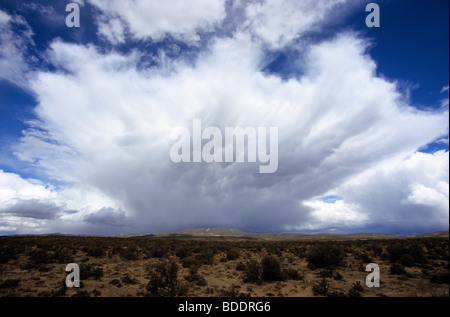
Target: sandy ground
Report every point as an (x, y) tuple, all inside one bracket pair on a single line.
[(222, 278)]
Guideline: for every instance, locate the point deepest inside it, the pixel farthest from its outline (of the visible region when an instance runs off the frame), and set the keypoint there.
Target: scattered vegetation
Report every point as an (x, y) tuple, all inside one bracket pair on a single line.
[(185, 267)]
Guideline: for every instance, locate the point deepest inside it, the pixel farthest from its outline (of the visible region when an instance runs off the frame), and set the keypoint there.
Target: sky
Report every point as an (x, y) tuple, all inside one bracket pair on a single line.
[(88, 114)]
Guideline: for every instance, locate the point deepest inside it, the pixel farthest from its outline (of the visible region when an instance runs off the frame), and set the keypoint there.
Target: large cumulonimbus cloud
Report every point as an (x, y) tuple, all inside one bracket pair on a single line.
[(103, 129)]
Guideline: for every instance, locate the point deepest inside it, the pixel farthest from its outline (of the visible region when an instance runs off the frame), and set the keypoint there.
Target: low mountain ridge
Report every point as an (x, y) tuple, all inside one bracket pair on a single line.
[(234, 234)]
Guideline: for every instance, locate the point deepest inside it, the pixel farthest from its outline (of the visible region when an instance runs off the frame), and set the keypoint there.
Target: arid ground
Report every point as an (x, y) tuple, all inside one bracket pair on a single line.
[(224, 265)]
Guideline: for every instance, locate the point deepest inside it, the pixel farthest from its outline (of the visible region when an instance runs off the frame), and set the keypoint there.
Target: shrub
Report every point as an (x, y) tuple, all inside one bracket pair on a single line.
[(240, 266), (321, 287), (190, 261), (64, 256), (271, 269), (158, 251), (440, 277), (182, 252), (407, 260), (338, 276), (129, 253), (397, 268), (410, 254), (196, 279), (252, 273), (95, 251), (128, 280), (325, 255), (292, 274), (41, 256), (9, 283), (365, 257), (164, 280), (357, 286), (417, 253), (353, 293), (232, 254), (206, 256), (88, 270)]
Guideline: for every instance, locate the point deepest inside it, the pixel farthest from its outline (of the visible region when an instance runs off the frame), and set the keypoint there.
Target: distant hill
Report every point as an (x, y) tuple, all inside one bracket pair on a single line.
[(212, 232), (229, 233), (234, 234)]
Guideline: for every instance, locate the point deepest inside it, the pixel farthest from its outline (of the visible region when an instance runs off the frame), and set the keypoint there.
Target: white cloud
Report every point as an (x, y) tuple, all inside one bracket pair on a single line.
[(104, 126), (27, 204), (15, 39), (278, 22), (155, 19), (405, 193), (444, 102), (113, 30), (334, 216), (108, 127)]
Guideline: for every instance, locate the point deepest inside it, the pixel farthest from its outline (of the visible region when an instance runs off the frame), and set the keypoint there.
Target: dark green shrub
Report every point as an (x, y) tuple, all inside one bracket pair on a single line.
[(338, 276), (357, 286), (321, 287), (354, 293), (406, 260), (190, 261), (206, 256), (164, 279), (271, 269), (292, 274), (9, 283), (397, 268), (365, 257), (89, 270), (325, 255), (182, 252), (128, 280), (158, 251), (196, 279), (41, 256), (415, 253), (240, 266), (232, 254), (441, 277), (252, 273), (8, 253), (129, 253), (64, 256), (95, 251)]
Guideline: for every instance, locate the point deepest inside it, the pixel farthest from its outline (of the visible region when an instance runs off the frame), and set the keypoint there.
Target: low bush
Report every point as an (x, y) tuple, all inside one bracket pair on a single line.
[(164, 280), (441, 277), (397, 268), (325, 255), (321, 287), (232, 254), (252, 273), (190, 261), (271, 269)]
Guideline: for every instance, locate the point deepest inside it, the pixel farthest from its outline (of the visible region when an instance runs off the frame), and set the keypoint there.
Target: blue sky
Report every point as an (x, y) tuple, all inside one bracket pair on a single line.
[(86, 115)]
